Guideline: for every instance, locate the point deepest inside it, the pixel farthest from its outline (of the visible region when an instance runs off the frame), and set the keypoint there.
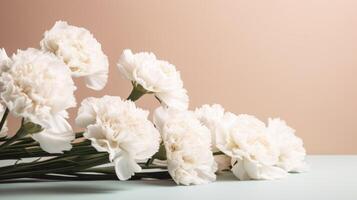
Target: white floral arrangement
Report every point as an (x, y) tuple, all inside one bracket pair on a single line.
[(118, 141)]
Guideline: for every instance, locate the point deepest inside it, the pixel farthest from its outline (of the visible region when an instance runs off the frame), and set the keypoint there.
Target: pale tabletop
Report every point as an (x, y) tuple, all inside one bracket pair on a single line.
[(330, 177)]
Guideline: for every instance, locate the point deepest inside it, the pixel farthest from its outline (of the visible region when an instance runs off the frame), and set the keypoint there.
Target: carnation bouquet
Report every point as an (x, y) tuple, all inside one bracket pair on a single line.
[(118, 140)]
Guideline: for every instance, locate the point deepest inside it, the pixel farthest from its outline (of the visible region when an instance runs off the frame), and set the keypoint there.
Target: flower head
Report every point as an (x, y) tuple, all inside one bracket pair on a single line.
[(120, 128), (38, 87), (254, 154), (81, 52), (188, 147), (155, 76), (291, 150)]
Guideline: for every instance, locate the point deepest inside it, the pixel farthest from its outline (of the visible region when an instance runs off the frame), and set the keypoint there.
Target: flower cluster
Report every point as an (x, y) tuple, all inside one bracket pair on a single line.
[(192, 146), (37, 85), (257, 151)]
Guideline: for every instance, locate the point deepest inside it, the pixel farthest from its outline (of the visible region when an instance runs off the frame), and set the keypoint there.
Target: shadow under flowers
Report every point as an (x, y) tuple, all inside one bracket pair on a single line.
[(94, 184), (62, 188)]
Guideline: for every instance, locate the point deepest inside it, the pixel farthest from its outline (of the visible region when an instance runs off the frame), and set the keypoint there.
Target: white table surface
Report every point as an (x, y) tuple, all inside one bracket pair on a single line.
[(330, 177)]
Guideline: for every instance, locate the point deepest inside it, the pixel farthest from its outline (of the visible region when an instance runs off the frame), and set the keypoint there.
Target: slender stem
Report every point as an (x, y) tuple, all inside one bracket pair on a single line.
[(20, 133), (22, 145), (111, 170), (84, 177), (38, 152), (67, 164), (3, 119), (88, 177), (30, 148)]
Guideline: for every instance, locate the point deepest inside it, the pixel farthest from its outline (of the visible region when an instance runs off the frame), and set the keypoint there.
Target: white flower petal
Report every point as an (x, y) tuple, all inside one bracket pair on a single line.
[(240, 172), (56, 136), (97, 81), (246, 169), (160, 116), (86, 113), (176, 99), (125, 167)]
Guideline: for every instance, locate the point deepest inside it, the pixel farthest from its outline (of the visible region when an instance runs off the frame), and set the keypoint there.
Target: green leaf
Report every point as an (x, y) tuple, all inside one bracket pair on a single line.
[(32, 128)]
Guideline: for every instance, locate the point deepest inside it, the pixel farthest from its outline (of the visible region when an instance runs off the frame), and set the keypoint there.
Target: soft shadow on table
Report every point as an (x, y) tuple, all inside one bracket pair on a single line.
[(226, 176), (55, 189), (41, 187), (30, 188), (161, 183)]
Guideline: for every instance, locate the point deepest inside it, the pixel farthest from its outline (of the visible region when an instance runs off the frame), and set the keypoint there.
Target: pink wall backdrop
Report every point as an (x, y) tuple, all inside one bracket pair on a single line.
[(291, 59)]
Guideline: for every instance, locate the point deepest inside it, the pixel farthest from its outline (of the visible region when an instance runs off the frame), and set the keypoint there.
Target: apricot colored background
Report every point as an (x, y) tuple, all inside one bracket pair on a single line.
[(291, 59)]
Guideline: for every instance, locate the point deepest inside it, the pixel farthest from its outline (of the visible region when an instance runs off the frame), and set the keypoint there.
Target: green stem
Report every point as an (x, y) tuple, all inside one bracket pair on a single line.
[(3, 119), (111, 170), (36, 151), (92, 177), (66, 164), (19, 134), (31, 148)]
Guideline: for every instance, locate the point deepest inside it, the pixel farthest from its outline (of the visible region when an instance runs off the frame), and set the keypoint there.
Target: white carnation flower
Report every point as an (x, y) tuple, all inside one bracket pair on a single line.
[(254, 154), (121, 129), (291, 150), (38, 87), (188, 147), (78, 48), (154, 76)]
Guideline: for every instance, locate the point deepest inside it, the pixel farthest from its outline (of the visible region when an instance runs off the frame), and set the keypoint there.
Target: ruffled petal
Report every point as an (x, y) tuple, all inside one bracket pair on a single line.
[(56, 136), (97, 81), (125, 166)]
